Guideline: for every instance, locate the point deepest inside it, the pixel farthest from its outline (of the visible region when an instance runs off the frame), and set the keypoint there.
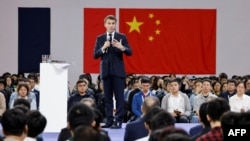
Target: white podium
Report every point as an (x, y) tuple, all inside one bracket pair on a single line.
[(53, 95)]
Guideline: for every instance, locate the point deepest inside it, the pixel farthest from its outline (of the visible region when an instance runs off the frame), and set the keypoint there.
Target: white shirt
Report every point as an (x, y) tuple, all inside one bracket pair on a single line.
[(237, 103), (176, 103)]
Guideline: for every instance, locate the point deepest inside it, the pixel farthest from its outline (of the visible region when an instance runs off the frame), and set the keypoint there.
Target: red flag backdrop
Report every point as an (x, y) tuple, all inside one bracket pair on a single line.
[(93, 26), (181, 41)]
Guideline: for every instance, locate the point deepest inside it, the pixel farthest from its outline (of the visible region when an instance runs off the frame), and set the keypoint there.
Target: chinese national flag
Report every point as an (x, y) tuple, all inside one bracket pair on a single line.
[(181, 41), (93, 26)]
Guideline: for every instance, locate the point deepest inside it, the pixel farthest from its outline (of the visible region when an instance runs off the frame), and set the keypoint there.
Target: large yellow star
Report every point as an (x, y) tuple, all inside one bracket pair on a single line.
[(134, 25)]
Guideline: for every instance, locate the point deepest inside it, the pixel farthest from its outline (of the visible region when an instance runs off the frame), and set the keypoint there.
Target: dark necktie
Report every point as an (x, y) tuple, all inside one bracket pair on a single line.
[(110, 38)]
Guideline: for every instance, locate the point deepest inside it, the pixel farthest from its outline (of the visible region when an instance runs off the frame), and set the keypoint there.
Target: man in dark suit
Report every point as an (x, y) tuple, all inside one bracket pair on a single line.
[(136, 129), (110, 47)]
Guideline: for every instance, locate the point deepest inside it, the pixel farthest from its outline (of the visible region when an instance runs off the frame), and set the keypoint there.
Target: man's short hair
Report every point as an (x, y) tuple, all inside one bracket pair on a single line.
[(145, 79), (14, 122), (232, 81), (82, 81), (22, 102), (149, 103), (36, 123), (110, 17), (80, 114), (162, 120), (216, 107), (207, 80)]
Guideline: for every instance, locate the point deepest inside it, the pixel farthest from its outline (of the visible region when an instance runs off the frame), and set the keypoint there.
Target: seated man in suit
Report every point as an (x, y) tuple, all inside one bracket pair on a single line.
[(131, 131)]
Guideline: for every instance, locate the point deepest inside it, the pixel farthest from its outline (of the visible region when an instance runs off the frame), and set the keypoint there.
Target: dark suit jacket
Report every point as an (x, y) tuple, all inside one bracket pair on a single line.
[(113, 58), (226, 95), (135, 130), (195, 130)]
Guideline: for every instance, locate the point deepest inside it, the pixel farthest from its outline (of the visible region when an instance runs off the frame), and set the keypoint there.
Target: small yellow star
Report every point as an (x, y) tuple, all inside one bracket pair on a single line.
[(134, 25), (157, 22), (151, 15), (157, 32), (150, 38)]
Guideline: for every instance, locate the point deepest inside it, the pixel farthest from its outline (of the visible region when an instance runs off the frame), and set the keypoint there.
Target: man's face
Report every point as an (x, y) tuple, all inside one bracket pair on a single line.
[(32, 83), (231, 86), (1, 86), (82, 87), (174, 86), (145, 87), (110, 25), (206, 87)]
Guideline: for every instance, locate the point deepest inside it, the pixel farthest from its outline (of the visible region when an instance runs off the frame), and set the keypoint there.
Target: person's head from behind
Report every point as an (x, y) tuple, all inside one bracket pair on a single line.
[(172, 133), (22, 102), (203, 115), (110, 23), (89, 102), (149, 103), (80, 114), (98, 118), (145, 84), (176, 137), (36, 123), (215, 108), (85, 133), (162, 119), (148, 117), (231, 120), (14, 123)]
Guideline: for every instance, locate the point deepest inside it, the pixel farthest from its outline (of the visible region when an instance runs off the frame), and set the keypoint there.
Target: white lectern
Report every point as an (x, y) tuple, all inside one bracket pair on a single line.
[(53, 95)]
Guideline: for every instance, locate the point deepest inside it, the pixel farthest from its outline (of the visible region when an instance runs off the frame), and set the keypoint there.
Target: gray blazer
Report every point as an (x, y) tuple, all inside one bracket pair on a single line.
[(164, 103)]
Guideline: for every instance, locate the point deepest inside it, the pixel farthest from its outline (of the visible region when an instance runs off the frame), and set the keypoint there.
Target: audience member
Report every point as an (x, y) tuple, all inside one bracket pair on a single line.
[(140, 96), (215, 110), (148, 117), (205, 127), (205, 96), (82, 86), (177, 103), (80, 114), (231, 90), (172, 133), (36, 123), (2, 105), (23, 91), (240, 102), (131, 130), (85, 133), (14, 125)]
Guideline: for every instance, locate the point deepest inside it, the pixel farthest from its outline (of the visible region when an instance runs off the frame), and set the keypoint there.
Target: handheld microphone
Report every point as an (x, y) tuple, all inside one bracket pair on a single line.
[(108, 39)]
